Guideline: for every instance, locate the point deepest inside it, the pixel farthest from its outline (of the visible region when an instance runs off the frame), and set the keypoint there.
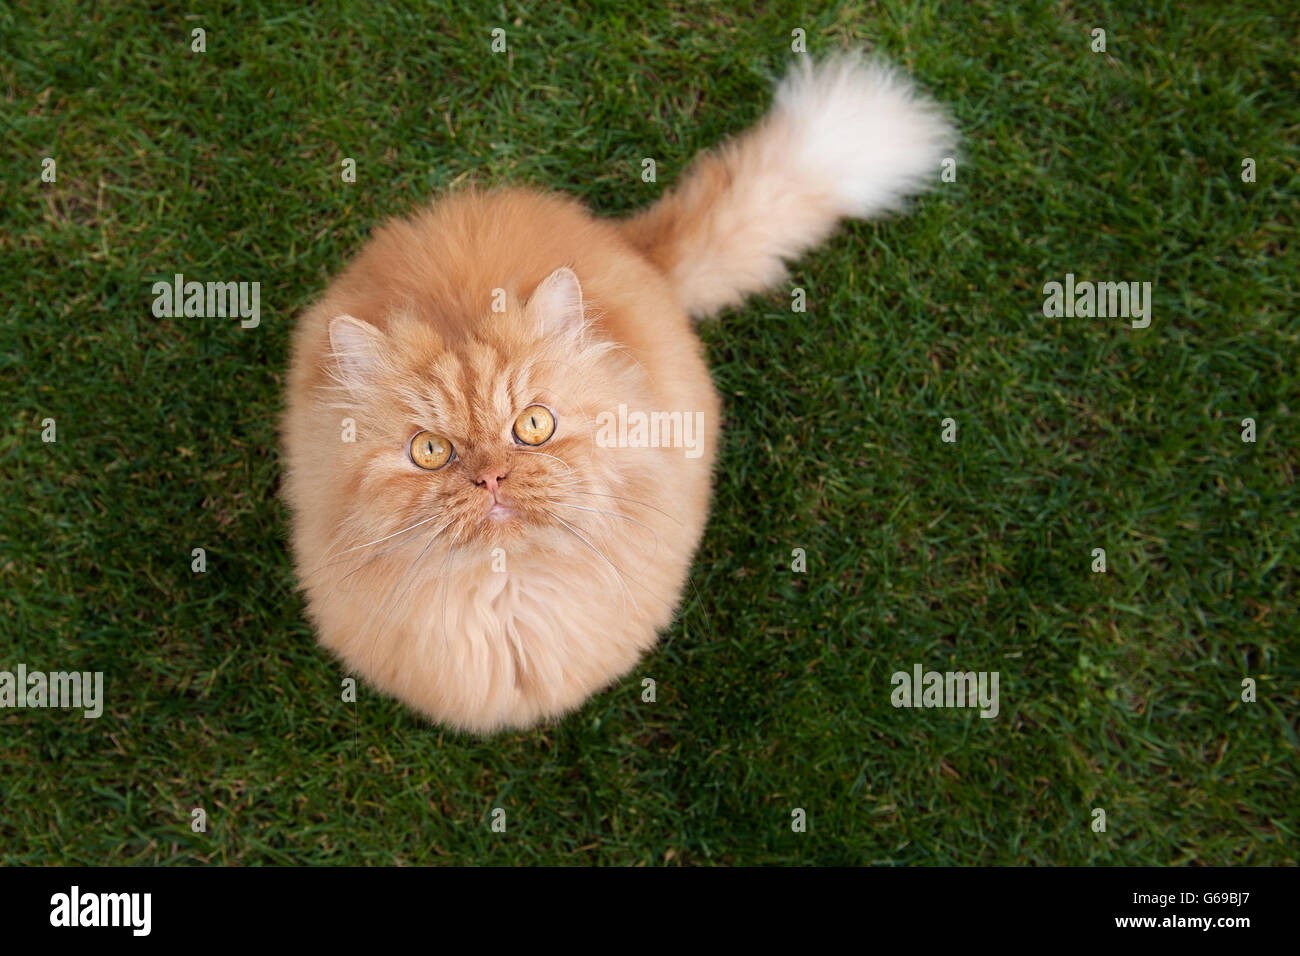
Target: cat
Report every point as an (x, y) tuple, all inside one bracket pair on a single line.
[(481, 525)]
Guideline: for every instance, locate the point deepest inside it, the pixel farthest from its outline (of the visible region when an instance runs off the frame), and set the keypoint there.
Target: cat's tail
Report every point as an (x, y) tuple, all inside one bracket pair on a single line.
[(845, 138)]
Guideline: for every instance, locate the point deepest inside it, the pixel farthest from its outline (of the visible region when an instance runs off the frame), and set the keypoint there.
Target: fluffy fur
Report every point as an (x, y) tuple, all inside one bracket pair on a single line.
[(455, 320), (846, 139)]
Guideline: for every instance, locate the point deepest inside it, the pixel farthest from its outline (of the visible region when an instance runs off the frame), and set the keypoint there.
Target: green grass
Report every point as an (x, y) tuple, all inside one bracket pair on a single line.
[(1119, 691)]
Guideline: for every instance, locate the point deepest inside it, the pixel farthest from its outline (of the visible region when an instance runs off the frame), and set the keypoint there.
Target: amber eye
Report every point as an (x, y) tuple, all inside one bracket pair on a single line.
[(534, 425), (430, 451)]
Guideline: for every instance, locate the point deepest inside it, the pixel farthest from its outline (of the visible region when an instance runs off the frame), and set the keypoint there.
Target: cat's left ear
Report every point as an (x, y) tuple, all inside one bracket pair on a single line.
[(556, 304), (358, 346)]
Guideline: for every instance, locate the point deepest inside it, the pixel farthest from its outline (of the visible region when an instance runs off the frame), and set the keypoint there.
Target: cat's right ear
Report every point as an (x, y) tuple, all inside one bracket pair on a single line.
[(556, 303), (358, 347)]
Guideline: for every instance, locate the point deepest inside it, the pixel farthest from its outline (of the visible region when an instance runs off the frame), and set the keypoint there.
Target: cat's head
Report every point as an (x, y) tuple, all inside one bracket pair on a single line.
[(482, 438)]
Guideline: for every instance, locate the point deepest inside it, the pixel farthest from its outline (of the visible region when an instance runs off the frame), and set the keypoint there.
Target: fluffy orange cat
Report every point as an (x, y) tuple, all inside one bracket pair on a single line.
[(501, 431)]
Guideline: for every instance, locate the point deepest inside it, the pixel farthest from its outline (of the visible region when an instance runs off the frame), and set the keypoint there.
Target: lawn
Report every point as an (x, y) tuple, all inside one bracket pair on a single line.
[(1120, 690)]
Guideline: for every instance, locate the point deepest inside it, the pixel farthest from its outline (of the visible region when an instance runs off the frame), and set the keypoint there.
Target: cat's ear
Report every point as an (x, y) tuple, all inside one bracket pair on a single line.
[(358, 347), (556, 304)]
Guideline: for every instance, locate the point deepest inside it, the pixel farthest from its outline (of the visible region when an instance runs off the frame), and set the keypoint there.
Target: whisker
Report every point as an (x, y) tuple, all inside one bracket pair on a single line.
[(613, 514), (597, 551), (388, 550), (445, 590), (577, 487), (521, 451), (643, 504), (404, 575), (370, 544)]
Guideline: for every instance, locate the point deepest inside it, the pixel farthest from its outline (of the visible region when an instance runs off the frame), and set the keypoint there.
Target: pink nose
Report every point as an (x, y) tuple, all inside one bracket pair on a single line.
[(490, 478)]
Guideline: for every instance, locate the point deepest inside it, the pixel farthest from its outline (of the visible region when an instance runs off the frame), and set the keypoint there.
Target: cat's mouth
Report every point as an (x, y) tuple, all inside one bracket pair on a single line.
[(501, 521)]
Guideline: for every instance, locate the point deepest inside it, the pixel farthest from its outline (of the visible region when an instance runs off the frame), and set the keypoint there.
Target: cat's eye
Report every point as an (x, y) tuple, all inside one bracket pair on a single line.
[(430, 451), (534, 425)]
